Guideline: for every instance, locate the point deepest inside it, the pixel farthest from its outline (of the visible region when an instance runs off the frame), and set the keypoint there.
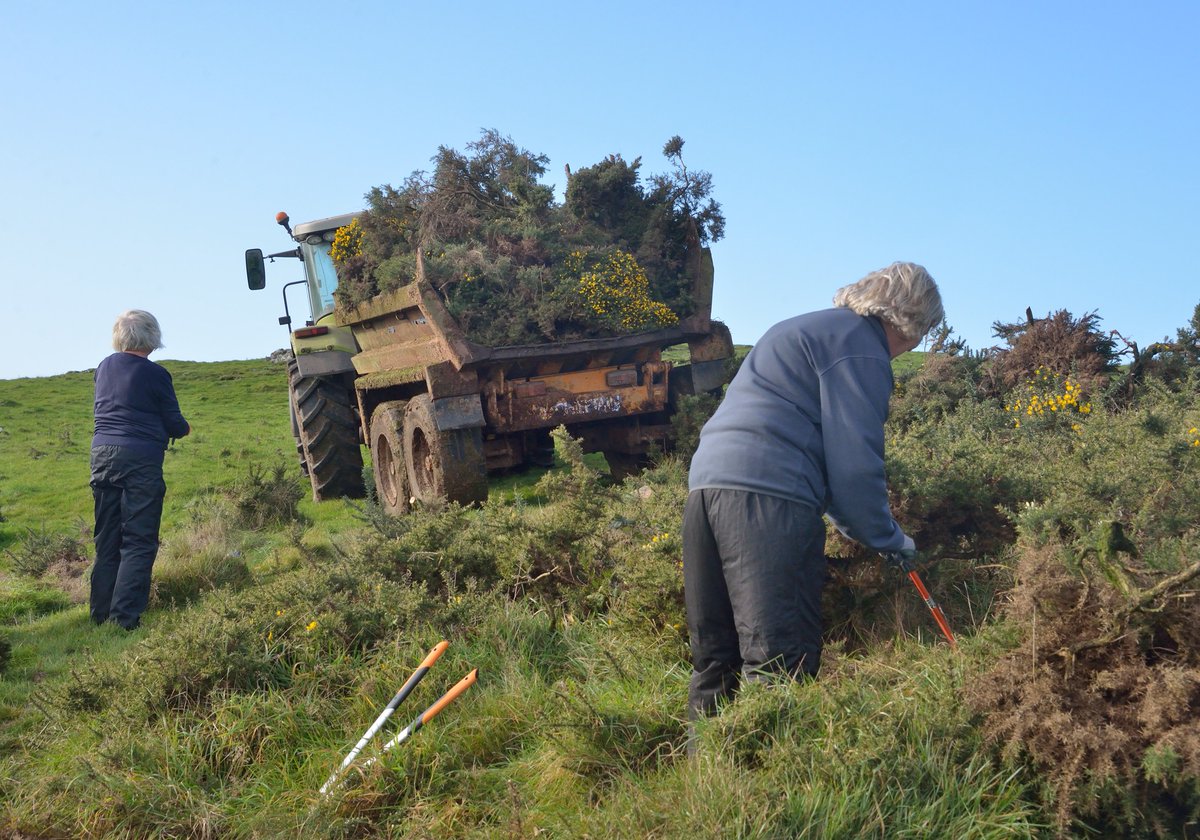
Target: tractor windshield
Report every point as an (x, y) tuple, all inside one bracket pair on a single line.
[(322, 276)]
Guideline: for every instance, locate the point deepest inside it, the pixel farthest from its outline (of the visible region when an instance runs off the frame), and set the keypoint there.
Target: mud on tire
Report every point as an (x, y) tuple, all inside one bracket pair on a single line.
[(442, 465), (387, 458)]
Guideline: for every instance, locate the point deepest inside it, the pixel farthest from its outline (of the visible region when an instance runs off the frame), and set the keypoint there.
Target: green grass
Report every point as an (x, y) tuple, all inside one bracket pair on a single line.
[(909, 362), (22, 598), (269, 650), (238, 413)]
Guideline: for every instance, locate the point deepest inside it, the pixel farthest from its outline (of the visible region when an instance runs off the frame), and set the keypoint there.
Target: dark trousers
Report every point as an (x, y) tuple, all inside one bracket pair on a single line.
[(753, 571), (128, 489)]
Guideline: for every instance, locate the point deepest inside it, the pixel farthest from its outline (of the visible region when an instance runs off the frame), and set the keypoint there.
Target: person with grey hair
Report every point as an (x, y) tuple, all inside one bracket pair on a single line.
[(136, 413), (798, 437)]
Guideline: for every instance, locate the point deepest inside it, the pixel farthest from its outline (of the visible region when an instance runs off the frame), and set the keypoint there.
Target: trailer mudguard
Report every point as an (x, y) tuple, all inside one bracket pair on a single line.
[(450, 413)]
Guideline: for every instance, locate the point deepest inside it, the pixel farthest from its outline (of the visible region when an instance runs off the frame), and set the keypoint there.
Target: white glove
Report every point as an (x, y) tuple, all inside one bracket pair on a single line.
[(909, 546)]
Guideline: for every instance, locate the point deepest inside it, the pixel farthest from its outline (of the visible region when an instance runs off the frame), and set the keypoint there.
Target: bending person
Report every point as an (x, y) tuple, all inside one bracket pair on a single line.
[(799, 435)]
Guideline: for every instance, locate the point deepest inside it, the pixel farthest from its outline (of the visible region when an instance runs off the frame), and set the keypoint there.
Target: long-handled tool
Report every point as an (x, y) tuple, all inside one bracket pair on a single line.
[(904, 561), (429, 714), (404, 691)]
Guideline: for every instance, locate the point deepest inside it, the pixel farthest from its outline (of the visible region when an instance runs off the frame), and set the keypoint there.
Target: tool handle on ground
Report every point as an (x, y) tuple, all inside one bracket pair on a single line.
[(404, 691), (418, 674), (432, 712)]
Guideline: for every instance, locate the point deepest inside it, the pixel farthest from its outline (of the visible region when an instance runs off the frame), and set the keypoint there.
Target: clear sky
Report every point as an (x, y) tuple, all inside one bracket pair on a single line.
[(1029, 154)]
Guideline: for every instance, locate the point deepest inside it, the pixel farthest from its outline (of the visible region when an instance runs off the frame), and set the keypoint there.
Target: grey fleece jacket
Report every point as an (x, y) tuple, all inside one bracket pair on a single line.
[(803, 420)]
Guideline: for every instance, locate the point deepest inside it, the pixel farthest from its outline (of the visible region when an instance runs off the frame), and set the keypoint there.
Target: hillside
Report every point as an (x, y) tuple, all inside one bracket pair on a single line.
[(280, 628)]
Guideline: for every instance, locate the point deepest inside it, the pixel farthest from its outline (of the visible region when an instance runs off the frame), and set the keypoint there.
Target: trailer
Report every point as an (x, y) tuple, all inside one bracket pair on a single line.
[(439, 412)]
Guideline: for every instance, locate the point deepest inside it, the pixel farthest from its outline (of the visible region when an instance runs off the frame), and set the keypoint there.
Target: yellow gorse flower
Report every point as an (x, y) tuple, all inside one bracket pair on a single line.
[(347, 242), (1047, 394), (616, 288), (658, 540)]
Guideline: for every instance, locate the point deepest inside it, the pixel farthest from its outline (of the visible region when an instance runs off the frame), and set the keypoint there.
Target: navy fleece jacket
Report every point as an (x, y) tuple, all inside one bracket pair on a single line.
[(803, 420), (136, 405)]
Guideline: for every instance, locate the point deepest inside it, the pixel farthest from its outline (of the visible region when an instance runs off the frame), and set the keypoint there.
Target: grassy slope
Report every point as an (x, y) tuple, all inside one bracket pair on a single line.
[(576, 731), (238, 413)]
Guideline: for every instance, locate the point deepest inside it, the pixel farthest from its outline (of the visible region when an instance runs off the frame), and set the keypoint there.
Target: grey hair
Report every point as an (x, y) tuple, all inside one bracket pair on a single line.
[(136, 329), (903, 294)]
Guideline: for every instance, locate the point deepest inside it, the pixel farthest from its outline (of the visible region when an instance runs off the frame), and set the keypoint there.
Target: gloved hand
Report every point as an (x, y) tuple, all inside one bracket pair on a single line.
[(904, 556)]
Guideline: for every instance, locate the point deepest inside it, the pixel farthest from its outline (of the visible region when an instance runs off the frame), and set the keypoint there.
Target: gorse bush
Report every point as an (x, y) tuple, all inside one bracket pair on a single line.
[(617, 290), (431, 547), (1101, 694), (560, 555), (41, 550), (263, 497), (941, 384), (514, 266), (1049, 397), (1059, 344)]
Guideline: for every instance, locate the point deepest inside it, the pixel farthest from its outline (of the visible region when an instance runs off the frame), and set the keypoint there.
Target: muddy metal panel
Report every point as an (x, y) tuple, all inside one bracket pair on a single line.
[(451, 413), (393, 332), (582, 396)]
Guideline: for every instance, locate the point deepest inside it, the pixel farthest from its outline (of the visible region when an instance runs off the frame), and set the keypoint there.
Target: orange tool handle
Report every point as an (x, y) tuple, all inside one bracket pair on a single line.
[(938, 616), (449, 697), (435, 654)]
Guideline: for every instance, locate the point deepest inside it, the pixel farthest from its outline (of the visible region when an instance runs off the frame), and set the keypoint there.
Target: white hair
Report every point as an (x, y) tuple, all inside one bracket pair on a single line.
[(136, 329), (903, 294)]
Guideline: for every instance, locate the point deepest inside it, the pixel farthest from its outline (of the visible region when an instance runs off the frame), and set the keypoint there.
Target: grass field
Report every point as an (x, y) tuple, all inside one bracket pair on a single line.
[(238, 413), (275, 638)]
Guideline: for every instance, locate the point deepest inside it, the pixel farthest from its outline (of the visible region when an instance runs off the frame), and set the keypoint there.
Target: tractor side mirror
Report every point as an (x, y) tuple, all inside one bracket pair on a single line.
[(256, 270)]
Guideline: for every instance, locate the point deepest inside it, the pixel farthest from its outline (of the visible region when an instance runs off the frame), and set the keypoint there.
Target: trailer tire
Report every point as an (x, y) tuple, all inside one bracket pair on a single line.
[(387, 458), (621, 465), (442, 465), (328, 434)]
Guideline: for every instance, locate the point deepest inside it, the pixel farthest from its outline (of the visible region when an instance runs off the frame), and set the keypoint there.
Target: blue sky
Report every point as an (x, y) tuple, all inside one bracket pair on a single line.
[(1038, 155)]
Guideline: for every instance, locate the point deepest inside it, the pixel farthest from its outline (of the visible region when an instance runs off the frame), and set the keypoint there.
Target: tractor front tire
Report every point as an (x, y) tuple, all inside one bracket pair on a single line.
[(327, 432), (387, 458), (442, 465)]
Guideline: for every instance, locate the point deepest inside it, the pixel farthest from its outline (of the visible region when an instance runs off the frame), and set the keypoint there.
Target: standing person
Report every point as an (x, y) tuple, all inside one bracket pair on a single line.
[(135, 413), (799, 435)]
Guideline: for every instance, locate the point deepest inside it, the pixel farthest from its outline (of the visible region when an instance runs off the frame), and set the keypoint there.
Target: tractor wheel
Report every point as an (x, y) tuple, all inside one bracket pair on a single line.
[(387, 457), (323, 409), (442, 465)]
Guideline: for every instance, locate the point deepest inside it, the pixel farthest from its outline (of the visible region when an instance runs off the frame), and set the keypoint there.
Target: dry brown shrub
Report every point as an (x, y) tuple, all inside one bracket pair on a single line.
[(1114, 728), (71, 575), (1059, 343)]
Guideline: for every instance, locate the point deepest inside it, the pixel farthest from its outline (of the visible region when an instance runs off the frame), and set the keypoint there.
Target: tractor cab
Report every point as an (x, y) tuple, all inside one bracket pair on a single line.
[(316, 239), (320, 346)]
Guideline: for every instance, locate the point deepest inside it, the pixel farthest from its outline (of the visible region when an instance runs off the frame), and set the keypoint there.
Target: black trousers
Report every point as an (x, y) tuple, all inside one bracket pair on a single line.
[(128, 490), (753, 571)]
